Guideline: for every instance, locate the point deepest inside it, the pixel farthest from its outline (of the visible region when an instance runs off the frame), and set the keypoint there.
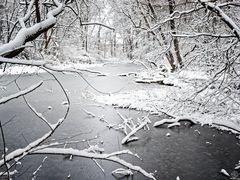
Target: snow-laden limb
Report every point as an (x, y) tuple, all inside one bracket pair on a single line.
[(193, 35), (20, 93), (224, 172), (216, 9), (37, 63), (174, 124), (96, 23), (125, 122), (145, 121), (4, 151), (25, 34), (117, 153), (49, 64), (164, 121), (11, 173), (94, 149), (175, 15), (122, 172), (128, 124), (46, 64), (22, 152), (237, 165), (27, 16), (86, 154), (174, 121)]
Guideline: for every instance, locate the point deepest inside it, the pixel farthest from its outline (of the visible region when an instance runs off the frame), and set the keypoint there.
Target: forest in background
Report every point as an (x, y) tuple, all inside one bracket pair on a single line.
[(171, 36), (196, 35)]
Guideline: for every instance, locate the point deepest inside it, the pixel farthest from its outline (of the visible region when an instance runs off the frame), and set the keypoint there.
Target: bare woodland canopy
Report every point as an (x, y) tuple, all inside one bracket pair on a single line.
[(192, 34), (181, 32)]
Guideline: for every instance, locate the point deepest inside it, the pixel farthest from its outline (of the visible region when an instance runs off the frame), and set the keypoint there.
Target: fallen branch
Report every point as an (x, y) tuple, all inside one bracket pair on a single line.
[(150, 80), (122, 172), (174, 121), (146, 120)]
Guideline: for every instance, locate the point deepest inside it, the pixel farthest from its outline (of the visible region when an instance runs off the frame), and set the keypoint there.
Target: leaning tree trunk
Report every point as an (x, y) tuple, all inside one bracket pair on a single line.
[(169, 55)]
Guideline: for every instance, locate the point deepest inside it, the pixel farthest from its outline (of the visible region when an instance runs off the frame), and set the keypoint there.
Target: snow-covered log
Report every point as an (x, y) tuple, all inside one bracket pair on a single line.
[(122, 172), (174, 121)]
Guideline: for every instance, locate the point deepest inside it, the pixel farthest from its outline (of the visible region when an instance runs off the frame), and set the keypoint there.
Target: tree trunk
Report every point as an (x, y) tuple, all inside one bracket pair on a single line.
[(114, 44), (175, 40), (169, 54), (99, 40), (38, 16)]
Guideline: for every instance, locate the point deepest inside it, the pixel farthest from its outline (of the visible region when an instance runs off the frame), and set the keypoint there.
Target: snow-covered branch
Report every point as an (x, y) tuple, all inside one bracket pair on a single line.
[(87, 154), (193, 35), (122, 172), (96, 23), (25, 35), (146, 120), (27, 16), (229, 22), (20, 93), (173, 16), (21, 153), (4, 150)]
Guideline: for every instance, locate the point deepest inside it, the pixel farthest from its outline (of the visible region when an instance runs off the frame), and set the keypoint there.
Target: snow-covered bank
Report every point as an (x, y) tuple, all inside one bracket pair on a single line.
[(21, 69), (70, 64), (179, 99)]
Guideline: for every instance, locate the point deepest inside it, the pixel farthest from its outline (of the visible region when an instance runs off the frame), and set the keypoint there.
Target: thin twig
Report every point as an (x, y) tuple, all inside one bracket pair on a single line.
[(4, 152), (34, 110)]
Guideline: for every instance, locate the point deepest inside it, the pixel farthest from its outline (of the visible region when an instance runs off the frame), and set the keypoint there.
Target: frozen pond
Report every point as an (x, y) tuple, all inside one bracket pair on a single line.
[(185, 153)]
